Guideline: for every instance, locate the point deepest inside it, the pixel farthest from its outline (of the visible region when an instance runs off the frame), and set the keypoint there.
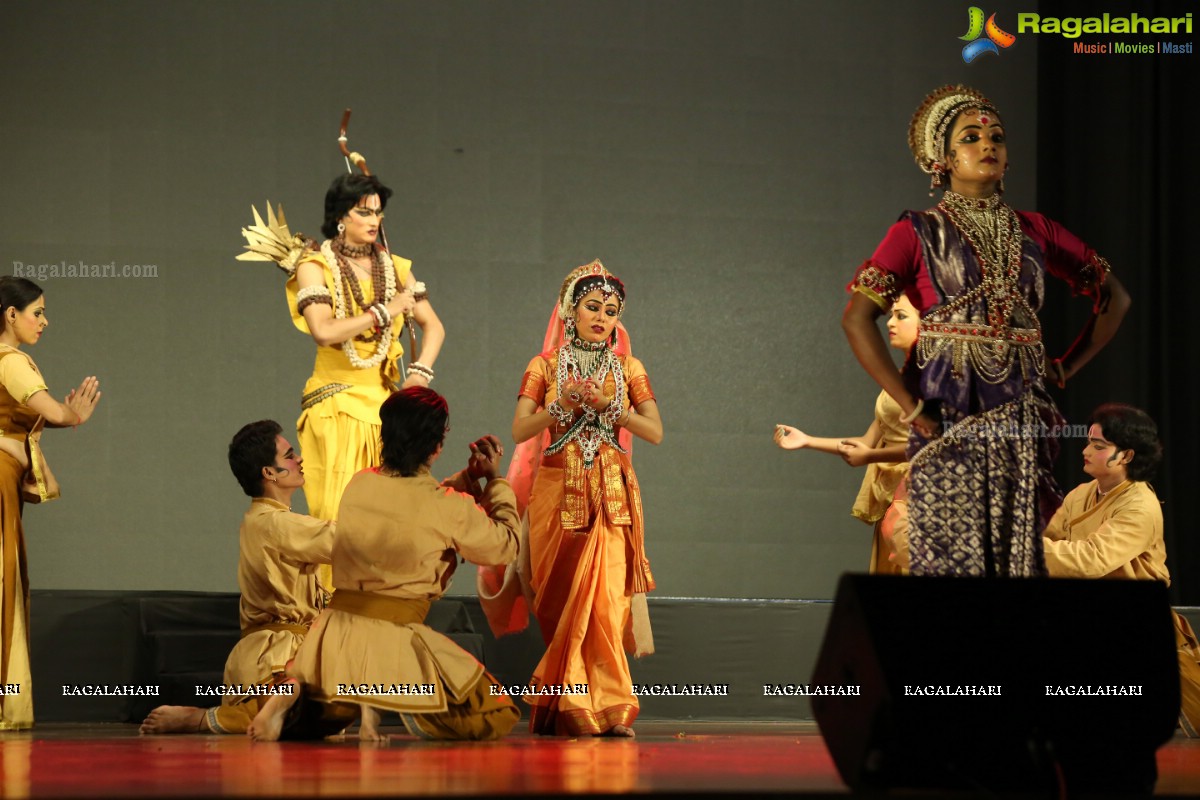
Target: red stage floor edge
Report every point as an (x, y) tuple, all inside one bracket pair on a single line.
[(738, 759)]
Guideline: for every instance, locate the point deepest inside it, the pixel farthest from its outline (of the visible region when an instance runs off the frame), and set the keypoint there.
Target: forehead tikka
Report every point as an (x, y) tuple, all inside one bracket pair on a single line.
[(606, 290)]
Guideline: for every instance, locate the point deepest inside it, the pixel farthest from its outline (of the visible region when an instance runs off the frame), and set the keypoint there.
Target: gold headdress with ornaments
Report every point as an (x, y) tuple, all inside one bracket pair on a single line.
[(593, 273), (930, 124)]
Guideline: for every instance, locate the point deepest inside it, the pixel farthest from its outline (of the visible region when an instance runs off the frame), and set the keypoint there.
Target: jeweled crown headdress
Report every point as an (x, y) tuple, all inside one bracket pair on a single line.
[(582, 280), (930, 124)]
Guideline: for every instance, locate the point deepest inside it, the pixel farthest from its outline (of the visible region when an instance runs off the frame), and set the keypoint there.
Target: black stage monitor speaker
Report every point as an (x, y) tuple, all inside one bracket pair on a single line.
[(997, 685)]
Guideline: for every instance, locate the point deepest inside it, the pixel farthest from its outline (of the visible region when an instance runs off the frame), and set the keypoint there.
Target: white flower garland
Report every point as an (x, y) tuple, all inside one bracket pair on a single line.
[(340, 310)]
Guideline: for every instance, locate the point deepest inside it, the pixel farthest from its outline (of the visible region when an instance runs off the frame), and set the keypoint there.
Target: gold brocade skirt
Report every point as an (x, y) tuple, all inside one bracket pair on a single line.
[(582, 603), (16, 685)]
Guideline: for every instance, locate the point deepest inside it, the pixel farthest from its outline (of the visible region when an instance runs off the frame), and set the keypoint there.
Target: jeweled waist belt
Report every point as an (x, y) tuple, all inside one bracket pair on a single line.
[(992, 352), (981, 333), (321, 393)]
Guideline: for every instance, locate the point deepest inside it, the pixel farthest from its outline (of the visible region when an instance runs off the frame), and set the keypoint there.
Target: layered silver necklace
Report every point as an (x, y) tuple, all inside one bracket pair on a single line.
[(579, 360)]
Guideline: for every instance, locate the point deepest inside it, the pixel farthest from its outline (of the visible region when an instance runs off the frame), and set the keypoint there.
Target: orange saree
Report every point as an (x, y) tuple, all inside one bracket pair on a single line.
[(588, 572)]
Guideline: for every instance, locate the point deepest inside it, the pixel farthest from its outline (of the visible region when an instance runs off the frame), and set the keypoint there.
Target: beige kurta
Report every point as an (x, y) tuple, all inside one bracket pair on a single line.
[(278, 556), (397, 540), (1121, 536)]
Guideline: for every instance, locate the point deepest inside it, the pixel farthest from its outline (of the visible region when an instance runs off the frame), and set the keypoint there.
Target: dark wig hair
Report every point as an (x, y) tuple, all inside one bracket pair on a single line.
[(1131, 428), (344, 194), (414, 424), (252, 448), (18, 293)]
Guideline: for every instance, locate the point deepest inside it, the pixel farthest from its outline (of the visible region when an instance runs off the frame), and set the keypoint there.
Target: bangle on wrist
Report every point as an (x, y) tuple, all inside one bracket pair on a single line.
[(384, 315), (417, 368), (916, 412), (560, 414)]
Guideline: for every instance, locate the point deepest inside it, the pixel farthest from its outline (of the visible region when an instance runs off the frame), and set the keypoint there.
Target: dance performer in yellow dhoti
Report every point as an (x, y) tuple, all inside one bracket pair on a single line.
[(351, 295)]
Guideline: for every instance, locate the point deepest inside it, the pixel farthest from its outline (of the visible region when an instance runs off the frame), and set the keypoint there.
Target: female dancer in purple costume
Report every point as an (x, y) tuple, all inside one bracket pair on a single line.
[(984, 428)]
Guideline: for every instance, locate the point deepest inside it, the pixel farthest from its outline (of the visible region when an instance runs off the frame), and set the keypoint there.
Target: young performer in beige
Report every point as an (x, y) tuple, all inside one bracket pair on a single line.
[(400, 534), (279, 551), (1112, 526)]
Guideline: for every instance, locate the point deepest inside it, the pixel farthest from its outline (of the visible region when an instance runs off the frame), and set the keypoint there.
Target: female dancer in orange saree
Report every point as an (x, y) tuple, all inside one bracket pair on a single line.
[(588, 568)]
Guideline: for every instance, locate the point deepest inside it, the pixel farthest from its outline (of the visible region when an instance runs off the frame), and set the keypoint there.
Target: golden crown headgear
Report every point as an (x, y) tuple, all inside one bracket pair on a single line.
[(930, 124), (587, 278)]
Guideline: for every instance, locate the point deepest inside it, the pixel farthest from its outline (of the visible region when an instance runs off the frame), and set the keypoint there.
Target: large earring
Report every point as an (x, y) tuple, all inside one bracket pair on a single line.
[(341, 227), (935, 179), (569, 326)]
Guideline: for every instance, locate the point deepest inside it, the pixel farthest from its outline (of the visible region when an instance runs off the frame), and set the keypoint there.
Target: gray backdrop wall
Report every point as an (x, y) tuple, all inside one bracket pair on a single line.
[(734, 162)]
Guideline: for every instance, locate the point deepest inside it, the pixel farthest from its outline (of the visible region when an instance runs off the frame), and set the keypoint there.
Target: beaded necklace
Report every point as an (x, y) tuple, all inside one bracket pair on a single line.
[(352, 250), (993, 231), (579, 360), (383, 283), (350, 279), (588, 356)]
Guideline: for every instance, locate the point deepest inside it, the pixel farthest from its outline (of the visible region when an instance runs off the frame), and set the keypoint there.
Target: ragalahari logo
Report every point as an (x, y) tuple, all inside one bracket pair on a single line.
[(996, 38)]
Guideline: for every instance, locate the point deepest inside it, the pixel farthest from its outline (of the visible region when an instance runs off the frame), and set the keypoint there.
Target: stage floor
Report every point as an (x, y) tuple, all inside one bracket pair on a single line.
[(734, 759)]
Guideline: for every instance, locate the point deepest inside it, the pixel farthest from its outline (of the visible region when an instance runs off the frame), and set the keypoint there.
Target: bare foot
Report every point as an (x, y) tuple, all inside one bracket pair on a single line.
[(268, 723), (622, 731), (173, 719), (368, 727)]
